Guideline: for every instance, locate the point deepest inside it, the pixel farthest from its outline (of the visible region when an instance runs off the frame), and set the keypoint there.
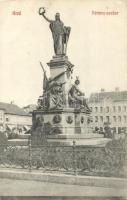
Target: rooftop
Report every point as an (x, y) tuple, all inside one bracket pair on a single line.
[(114, 96), (29, 108), (12, 109)]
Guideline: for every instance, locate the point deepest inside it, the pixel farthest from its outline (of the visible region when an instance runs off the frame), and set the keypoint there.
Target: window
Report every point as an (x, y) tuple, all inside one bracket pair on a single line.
[(119, 108), (114, 118), (91, 109), (124, 108), (7, 119), (114, 129), (101, 129), (125, 118), (1, 117), (96, 129), (119, 130), (107, 119), (101, 109), (119, 118), (96, 119), (101, 118), (107, 109), (124, 130), (114, 109), (96, 109)]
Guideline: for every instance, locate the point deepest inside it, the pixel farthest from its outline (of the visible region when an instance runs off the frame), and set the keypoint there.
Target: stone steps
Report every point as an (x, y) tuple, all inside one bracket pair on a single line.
[(18, 142), (21, 140), (80, 141), (76, 136), (90, 139)]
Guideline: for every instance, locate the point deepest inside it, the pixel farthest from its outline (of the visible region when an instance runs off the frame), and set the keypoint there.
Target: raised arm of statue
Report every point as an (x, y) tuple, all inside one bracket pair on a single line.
[(42, 12)]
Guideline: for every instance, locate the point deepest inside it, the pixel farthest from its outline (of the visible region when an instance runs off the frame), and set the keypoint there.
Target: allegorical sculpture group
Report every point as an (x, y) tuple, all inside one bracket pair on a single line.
[(53, 92)]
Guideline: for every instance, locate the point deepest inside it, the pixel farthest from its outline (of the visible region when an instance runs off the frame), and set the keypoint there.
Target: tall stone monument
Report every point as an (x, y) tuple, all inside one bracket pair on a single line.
[(62, 108)]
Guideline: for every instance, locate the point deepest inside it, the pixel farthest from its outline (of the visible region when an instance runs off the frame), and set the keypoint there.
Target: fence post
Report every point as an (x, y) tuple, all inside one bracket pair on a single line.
[(29, 145), (74, 158)]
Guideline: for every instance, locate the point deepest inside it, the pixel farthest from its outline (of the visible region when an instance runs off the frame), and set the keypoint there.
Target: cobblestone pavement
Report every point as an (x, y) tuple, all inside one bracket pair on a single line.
[(11, 187)]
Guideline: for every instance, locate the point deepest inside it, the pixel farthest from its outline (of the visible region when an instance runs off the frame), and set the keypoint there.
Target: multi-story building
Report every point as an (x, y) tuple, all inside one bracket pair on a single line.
[(109, 107), (14, 117)]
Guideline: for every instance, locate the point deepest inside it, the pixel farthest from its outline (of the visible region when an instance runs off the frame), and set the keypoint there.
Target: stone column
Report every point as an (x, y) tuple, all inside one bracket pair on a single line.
[(61, 68)]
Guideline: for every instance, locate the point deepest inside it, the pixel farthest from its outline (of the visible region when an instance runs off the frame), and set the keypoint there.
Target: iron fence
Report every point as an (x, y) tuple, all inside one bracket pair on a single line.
[(77, 160)]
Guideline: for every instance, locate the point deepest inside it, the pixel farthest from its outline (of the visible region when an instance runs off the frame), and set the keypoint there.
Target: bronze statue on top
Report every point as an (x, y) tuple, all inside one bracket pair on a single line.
[(60, 33)]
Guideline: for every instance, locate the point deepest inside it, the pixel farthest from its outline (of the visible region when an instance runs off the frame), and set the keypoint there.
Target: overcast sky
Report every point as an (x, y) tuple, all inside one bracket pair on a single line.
[(97, 46)]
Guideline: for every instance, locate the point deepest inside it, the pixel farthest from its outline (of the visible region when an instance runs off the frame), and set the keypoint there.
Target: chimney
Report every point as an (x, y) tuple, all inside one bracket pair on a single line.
[(102, 90), (117, 89)]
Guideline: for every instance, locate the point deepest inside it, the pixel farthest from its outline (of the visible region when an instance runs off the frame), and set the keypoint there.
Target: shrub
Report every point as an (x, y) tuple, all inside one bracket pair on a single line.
[(12, 135), (3, 138)]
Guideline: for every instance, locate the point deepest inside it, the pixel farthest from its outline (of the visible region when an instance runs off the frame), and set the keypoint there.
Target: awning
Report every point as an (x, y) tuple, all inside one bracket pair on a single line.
[(10, 127), (26, 128), (1, 127)]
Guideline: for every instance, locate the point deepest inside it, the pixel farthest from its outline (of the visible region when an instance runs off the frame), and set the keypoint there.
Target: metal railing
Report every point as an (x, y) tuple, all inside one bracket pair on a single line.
[(77, 160)]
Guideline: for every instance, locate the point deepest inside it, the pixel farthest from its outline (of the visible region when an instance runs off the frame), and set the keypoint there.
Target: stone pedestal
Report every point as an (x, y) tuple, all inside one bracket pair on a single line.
[(67, 125), (61, 121), (59, 64)]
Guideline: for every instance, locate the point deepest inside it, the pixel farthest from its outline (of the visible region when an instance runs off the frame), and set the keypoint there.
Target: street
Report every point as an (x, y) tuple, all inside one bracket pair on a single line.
[(11, 187)]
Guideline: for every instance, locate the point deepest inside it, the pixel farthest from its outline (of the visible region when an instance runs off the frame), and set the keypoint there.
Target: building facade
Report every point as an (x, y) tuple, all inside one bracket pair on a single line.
[(14, 117), (111, 108)]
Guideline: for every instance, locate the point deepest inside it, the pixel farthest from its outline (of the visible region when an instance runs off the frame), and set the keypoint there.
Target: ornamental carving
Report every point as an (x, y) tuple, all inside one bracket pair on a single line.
[(56, 130), (82, 119), (69, 119), (56, 119)]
